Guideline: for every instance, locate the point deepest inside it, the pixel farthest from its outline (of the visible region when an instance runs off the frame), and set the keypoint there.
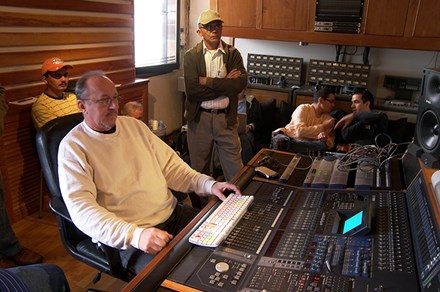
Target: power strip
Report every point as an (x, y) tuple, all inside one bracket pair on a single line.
[(289, 169), (312, 172), (324, 172), (339, 177), (364, 179)]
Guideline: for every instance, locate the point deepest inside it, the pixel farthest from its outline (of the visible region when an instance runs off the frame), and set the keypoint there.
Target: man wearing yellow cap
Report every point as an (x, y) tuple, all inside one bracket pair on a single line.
[(214, 76), (54, 102)]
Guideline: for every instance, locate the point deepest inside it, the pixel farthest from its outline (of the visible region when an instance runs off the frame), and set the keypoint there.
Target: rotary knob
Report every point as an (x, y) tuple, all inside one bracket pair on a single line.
[(222, 267)]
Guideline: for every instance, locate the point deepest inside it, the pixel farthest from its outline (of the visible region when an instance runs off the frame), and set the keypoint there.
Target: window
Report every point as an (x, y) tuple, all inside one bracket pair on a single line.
[(156, 36)]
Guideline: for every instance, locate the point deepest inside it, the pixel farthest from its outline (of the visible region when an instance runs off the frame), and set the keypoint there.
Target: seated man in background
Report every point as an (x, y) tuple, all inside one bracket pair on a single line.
[(254, 121), (311, 127), (133, 109), (54, 102), (115, 178), (362, 125), (40, 277)]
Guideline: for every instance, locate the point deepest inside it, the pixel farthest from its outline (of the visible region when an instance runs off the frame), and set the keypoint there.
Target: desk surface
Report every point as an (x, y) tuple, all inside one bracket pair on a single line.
[(302, 247)]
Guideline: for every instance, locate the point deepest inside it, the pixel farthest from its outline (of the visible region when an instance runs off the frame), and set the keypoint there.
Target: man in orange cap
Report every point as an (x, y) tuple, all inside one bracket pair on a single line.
[(54, 102)]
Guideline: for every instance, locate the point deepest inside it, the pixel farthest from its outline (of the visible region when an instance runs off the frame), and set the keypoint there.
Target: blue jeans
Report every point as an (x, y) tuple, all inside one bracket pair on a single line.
[(40, 277)]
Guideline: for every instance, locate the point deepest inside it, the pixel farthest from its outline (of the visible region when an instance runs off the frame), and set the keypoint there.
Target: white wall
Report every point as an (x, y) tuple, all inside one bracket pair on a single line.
[(166, 103)]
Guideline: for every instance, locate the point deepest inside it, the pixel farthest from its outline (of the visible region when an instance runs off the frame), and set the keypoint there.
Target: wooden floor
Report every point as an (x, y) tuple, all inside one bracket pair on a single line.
[(41, 235)]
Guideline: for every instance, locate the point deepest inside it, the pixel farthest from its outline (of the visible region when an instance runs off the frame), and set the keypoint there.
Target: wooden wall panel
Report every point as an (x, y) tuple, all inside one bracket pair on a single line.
[(31, 20), (89, 34), (8, 59), (122, 6), (63, 38)]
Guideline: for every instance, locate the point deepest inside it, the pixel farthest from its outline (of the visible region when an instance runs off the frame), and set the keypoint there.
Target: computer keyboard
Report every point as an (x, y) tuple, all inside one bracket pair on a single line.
[(221, 222)]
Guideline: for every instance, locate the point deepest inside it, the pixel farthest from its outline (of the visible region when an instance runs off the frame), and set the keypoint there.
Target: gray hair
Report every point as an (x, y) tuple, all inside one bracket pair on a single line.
[(81, 90)]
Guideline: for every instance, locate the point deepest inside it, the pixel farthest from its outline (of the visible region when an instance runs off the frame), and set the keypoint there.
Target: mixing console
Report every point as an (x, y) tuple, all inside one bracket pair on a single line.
[(310, 240), (327, 236)]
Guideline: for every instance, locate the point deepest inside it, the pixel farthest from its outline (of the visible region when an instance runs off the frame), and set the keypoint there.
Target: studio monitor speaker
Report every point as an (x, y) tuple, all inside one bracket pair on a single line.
[(428, 116)]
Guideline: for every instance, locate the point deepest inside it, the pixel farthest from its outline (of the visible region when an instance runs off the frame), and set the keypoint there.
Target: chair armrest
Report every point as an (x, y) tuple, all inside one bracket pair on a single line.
[(115, 264), (59, 208)]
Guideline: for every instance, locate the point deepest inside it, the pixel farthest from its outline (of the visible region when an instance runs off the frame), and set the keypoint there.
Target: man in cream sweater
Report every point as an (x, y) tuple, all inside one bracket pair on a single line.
[(116, 175)]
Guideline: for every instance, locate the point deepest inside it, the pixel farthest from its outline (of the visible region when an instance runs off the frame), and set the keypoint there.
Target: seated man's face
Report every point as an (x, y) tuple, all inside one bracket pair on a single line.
[(57, 81), (357, 104), (137, 114), (100, 109), (328, 103)]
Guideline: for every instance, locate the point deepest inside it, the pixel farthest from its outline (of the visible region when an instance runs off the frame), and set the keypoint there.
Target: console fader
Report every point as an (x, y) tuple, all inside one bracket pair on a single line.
[(309, 240)]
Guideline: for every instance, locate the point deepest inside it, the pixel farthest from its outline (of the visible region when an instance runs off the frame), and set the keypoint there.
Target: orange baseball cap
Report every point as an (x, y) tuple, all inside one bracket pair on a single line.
[(53, 64)]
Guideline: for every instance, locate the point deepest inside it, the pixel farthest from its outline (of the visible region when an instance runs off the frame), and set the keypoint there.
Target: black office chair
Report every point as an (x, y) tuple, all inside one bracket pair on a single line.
[(79, 245)]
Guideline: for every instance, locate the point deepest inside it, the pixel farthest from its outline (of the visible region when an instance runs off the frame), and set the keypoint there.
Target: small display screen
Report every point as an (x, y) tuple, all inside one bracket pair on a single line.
[(353, 222)]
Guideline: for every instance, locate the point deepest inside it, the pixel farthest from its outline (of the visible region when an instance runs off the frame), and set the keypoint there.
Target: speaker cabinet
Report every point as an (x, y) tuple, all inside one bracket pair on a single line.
[(428, 116)]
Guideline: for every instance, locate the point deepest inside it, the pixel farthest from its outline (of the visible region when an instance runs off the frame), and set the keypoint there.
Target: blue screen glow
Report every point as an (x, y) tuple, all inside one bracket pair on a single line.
[(353, 222)]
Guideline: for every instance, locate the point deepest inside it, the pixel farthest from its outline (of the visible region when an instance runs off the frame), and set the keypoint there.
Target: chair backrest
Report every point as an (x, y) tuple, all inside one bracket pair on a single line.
[(48, 139)]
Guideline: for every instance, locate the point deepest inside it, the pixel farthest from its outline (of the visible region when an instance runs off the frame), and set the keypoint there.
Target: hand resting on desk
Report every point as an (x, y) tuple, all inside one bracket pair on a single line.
[(153, 240)]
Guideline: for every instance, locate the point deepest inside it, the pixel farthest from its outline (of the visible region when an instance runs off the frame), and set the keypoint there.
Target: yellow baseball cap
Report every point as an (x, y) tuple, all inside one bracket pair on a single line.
[(209, 16)]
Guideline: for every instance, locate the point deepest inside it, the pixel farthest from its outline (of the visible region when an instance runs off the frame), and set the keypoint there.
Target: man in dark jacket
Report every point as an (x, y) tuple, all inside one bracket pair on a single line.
[(362, 125), (214, 76)]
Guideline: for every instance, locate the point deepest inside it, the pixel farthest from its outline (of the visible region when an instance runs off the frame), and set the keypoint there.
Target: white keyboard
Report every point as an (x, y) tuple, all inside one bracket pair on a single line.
[(221, 222)]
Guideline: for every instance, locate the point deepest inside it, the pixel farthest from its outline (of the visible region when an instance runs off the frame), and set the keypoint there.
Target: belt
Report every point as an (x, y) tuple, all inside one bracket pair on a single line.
[(213, 111)]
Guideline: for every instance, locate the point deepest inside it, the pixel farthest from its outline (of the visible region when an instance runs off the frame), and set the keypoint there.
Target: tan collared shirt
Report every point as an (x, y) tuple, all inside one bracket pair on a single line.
[(215, 68)]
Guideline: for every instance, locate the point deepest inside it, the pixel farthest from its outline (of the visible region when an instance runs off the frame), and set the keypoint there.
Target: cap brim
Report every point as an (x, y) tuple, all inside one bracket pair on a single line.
[(56, 68), (212, 20)]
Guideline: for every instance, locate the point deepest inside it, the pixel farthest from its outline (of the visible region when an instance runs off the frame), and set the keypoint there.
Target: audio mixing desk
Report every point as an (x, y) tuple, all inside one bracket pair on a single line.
[(296, 238)]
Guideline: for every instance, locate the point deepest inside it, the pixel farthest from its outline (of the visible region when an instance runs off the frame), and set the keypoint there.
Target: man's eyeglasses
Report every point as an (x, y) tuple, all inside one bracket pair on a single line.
[(105, 101), (57, 75), (212, 26), (330, 100)]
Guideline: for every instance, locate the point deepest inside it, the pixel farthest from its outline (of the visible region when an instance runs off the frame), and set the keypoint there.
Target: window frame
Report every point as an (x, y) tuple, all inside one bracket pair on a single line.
[(148, 71)]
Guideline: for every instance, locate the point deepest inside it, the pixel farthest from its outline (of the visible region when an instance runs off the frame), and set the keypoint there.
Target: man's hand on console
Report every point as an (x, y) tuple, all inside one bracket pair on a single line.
[(153, 240), (219, 189)]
